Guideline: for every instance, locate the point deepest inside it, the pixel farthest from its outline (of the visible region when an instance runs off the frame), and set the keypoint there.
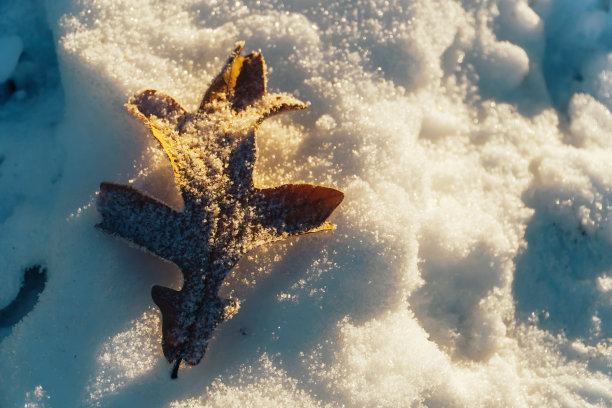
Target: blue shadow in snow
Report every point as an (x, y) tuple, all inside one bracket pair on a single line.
[(34, 280), (556, 278)]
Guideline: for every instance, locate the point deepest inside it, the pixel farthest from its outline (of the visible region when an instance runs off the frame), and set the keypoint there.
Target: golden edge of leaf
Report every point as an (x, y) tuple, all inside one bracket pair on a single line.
[(157, 129), (231, 75), (273, 104), (326, 226), (225, 81)]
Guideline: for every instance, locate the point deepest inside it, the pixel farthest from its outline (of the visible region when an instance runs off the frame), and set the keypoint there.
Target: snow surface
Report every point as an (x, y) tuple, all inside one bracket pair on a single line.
[(472, 260), (10, 50)]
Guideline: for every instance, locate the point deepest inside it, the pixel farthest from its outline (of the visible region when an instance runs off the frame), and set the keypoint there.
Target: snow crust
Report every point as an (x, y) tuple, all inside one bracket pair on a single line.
[(471, 261)]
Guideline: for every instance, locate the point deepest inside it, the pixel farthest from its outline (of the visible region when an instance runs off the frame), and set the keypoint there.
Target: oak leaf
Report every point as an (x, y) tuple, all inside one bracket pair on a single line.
[(212, 152)]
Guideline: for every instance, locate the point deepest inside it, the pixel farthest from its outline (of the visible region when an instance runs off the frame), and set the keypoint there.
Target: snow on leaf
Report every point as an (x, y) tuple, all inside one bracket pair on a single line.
[(212, 152)]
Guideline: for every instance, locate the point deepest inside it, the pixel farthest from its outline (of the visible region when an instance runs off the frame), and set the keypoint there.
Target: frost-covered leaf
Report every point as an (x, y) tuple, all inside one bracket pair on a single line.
[(212, 152)]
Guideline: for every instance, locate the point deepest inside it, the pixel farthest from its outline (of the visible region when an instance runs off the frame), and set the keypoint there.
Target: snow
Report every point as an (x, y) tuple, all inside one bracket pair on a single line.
[(471, 261), (10, 50)]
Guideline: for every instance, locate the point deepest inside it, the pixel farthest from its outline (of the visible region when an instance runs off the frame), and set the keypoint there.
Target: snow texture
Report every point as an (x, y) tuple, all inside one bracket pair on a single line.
[(471, 262)]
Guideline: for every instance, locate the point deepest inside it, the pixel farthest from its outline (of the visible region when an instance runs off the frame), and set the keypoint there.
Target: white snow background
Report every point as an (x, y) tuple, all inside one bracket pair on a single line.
[(471, 265)]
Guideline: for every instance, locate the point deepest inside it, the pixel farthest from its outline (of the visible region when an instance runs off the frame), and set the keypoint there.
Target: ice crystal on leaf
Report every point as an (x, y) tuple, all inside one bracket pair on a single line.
[(212, 152)]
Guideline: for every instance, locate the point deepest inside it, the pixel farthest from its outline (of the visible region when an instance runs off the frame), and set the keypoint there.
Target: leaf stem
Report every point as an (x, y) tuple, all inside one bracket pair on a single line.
[(175, 369)]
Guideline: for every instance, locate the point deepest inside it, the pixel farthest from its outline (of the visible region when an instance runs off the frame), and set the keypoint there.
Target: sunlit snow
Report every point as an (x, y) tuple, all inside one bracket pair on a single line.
[(472, 260)]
